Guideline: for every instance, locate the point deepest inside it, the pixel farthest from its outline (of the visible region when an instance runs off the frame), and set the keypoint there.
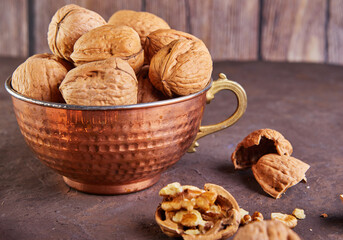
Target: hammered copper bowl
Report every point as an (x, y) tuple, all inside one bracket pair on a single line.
[(116, 149)]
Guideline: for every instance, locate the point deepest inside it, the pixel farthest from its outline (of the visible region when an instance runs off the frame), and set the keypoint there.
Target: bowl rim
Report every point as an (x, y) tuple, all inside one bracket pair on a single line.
[(19, 96)]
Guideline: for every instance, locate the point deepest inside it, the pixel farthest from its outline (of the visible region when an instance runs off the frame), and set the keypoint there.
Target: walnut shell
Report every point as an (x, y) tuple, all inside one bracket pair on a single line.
[(257, 144), (67, 25), (101, 83), (142, 22), (161, 38), (277, 173), (109, 41), (266, 230), (40, 76), (182, 67), (146, 91), (222, 228)]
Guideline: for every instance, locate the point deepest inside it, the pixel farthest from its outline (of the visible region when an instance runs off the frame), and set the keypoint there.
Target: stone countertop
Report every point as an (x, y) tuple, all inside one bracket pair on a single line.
[(302, 101)]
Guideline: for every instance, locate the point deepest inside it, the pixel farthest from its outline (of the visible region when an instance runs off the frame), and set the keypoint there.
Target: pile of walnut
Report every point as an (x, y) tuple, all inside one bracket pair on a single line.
[(193, 213), (267, 152), (95, 63)]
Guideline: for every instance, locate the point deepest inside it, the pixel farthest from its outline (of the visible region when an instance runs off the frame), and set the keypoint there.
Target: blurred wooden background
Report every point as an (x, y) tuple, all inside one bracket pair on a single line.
[(272, 30)]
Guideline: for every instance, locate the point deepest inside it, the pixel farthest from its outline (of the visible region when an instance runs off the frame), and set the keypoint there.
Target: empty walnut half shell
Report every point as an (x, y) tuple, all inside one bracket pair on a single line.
[(277, 173), (266, 230), (214, 213), (181, 68), (109, 41), (257, 144)]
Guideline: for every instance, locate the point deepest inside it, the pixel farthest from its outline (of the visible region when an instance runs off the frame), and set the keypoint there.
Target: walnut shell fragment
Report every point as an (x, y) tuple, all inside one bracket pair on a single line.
[(67, 25), (109, 41), (257, 144), (161, 38), (277, 173), (40, 76), (101, 83), (142, 22), (266, 230), (146, 91), (181, 68), (208, 214)]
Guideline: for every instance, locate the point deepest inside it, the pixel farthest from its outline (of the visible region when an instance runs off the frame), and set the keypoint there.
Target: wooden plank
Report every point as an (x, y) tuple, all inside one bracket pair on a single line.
[(14, 28), (44, 10), (293, 30), (229, 28), (173, 12), (335, 32)]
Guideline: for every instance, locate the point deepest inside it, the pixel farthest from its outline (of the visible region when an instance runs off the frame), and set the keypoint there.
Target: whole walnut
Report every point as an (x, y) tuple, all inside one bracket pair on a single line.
[(266, 230), (146, 91), (67, 25), (109, 41), (101, 83), (142, 22), (182, 67), (40, 76), (161, 38)]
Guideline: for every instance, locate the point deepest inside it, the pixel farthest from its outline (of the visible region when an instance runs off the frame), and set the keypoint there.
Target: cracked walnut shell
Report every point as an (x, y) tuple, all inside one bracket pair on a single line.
[(67, 25), (161, 38), (277, 173), (181, 68), (146, 91), (101, 83), (266, 230), (109, 41), (142, 22), (215, 216), (40, 76), (257, 144)]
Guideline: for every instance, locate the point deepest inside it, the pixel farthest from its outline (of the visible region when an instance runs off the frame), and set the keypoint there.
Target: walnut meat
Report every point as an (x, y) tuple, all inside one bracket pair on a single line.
[(40, 76), (277, 173), (257, 144), (181, 68), (101, 83), (109, 41), (266, 230), (193, 213), (161, 38), (142, 22), (67, 25), (146, 91)]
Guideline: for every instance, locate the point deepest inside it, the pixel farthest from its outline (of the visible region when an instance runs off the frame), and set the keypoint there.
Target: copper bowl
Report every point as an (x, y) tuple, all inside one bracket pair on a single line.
[(117, 149)]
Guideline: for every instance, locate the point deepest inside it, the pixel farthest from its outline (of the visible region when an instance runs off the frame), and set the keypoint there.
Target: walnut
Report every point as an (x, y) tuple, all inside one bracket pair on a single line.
[(161, 38), (257, 216), (67, 25), (40, 76), (109, 41), (277, 173), (299, 213), (289, 220), (142, 22), (214, 213), (267, 230), (146, 91), (101, 83), (182, 67), (257, 144)]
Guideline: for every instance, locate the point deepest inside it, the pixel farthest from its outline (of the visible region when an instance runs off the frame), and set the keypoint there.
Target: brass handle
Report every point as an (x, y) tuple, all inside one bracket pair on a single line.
[(222, 84)]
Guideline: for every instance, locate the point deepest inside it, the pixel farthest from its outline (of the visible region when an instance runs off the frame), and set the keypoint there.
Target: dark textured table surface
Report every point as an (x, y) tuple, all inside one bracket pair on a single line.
[(302, 101)]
